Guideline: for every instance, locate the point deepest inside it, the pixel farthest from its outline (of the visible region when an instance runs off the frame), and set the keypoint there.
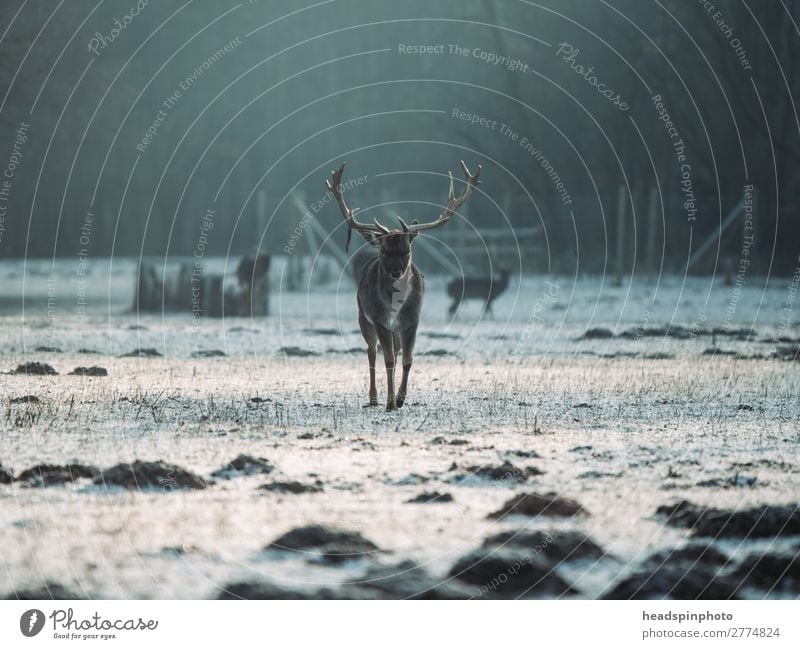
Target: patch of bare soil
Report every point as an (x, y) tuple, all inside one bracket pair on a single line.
[(151, 475), (555, 545), (676, 580), (430, 497), (35, 368), (27, 398), (45, 591), (243, 465), (763, 521), (94, 370), (47, 475), (502, 572), (291, 487), (773, 571), (6, 476), (325, 544), (534, 504)]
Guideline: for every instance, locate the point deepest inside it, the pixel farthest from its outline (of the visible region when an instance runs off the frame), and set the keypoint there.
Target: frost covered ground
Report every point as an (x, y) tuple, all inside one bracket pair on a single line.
[(517, 403)]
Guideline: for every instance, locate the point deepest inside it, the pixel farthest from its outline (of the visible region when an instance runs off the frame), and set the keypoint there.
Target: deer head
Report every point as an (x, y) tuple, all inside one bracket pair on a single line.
[(395, 245)]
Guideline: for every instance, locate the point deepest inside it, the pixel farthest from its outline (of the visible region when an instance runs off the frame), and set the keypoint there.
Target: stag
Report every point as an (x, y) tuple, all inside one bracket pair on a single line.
[(391, 287)]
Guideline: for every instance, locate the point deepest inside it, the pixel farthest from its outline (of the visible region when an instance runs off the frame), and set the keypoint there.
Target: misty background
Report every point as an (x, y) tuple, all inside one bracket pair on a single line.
[(143, 117)]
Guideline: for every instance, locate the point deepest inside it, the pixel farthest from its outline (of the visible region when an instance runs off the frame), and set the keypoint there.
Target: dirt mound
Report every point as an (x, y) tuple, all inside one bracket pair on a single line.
[(406, 480), (505, 472), (291, 487), (151, 475), (261, 590), (406, 580), (45, 591), (35, 368), (596, 333), (658, 356), (677, 579), (27, 398), (46, 475), (556, 546), (667, 331), (48, 349), (763, 521), (325, 544), (297, 351), (208, 353), (322, 331), (772, 572), (523, 454), (430, 497), (534, 504), (439, 440), (508, 573), (147, 352), (692, 553), (94, 370), (6, 476), (734, 481), (791, 353), (436, 352), (244, 465)]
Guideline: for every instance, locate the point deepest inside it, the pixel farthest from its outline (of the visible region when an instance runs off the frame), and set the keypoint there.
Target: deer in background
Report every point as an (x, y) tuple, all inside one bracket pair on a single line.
[(477, 288), (391, 287)]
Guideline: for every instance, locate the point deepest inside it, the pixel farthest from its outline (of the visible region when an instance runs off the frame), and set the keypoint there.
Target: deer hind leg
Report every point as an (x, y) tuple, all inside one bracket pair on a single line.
[(454, 306), (407, 340), (387, 343), (371, 338)]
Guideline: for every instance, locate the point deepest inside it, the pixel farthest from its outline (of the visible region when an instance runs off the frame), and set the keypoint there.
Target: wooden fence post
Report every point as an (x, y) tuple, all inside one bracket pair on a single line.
[(621, 234)]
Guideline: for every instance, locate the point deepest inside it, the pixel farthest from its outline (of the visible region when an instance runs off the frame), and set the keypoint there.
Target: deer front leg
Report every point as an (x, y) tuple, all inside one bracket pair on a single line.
[(387, 343), (407, 338), (371, 338), (372, 354)]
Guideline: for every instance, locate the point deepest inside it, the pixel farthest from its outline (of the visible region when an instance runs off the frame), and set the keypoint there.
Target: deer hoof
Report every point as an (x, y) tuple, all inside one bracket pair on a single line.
[(391, 405), (401, 399), (371, 404)]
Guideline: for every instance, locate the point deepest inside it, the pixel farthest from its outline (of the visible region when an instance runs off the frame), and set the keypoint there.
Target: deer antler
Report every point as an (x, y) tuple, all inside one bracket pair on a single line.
[(453, 203), (335, 187)]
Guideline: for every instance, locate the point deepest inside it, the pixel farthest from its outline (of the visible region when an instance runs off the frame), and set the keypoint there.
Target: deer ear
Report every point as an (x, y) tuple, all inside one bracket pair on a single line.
[(372, 238)]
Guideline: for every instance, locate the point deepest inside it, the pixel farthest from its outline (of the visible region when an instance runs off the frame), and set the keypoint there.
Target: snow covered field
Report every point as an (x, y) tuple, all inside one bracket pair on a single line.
[(628, 419)]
